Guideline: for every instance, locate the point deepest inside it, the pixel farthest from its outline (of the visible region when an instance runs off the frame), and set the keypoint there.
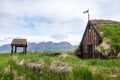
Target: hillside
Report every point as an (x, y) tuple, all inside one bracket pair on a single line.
[(56, 66), (42, 46), (110, 32)]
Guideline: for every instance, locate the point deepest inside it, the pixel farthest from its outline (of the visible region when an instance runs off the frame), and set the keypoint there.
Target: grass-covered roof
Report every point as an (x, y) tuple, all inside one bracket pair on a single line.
[(110, 30)]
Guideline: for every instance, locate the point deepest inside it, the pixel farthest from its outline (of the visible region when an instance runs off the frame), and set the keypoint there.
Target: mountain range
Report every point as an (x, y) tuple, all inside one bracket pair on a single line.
[(42, 46)]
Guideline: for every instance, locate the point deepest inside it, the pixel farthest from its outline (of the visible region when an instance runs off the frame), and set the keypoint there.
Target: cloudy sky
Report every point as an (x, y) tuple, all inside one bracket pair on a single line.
[(51, 20)]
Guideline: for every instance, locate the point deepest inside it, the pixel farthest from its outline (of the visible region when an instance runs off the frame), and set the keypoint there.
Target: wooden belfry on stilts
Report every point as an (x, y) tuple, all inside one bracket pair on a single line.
[(18, 43)]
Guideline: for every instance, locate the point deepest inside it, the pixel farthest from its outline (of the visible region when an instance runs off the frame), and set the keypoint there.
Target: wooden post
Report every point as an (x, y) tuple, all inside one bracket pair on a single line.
[(11, 49), (15, 49), (26, 48)]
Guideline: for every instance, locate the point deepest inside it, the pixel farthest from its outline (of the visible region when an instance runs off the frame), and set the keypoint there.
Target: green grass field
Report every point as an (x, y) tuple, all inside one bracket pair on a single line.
[(56, 66), (4, 59)]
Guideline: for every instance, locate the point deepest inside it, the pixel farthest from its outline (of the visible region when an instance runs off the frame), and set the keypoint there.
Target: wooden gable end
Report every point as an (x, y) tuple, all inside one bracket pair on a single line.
[(90, 40)]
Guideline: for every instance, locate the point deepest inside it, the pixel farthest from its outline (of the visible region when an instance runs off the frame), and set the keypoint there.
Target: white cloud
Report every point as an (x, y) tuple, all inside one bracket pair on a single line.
[(49, 8), (51, 20)]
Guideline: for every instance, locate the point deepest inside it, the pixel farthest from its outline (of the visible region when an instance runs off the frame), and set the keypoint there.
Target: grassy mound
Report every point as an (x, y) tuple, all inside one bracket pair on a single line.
[(57, 66), (111, 32)]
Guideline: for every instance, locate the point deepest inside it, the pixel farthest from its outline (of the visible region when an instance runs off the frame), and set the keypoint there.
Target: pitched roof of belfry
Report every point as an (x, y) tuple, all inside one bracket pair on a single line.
[(19, 42)]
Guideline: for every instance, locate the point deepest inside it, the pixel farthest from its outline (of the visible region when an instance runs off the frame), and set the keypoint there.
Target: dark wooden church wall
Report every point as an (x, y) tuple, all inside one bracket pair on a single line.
[(90, 38)]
